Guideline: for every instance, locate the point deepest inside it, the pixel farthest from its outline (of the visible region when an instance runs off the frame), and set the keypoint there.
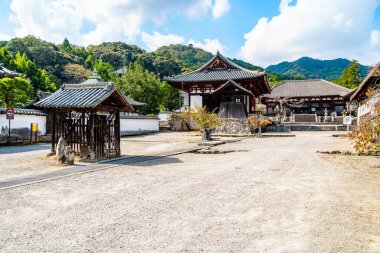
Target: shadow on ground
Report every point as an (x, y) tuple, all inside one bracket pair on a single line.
[(137, 160), (22, 149)]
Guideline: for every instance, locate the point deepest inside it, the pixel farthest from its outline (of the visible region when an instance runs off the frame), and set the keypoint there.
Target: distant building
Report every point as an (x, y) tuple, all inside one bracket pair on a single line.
[(307, 96), (221, 81)]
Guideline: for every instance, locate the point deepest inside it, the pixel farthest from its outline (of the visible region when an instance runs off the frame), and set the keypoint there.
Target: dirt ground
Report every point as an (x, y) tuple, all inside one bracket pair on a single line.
[(269, 195), (22, 161)]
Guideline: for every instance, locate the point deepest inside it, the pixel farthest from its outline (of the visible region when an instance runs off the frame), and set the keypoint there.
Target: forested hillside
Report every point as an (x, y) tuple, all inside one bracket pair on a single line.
[(313, 69), (46, 66)]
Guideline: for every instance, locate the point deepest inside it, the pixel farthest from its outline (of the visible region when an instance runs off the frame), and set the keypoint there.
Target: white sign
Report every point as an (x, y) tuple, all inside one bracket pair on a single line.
[(347, 120)]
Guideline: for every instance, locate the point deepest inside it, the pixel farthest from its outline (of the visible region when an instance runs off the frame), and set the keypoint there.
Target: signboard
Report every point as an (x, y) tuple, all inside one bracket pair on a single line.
[(10, 113), (347, 120), (34, 127)]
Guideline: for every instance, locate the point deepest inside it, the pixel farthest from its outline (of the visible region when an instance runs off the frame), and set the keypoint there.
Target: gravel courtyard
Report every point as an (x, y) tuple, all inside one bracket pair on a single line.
[(270, 195)]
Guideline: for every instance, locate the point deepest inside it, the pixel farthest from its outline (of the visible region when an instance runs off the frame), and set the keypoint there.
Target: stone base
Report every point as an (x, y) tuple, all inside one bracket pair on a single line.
[(234, 126)]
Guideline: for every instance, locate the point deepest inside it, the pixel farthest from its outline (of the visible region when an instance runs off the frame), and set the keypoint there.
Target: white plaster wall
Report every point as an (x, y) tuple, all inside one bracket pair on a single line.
[(196, 100), (164, 116), (132, 125), (185, 97), (22, 121)]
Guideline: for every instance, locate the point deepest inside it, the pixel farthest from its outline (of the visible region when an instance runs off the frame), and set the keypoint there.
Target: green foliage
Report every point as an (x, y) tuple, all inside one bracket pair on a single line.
[(89, 62), (14, 92), (351, 76), (105, 70), (247, 65), (313, 69), (118, 54), (66, 46), (145, 86), (39, 77), (191, 57), (75, 73)]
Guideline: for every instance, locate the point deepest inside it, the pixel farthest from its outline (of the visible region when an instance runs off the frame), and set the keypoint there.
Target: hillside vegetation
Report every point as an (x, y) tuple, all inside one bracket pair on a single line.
[(314, 69), (46, 66)]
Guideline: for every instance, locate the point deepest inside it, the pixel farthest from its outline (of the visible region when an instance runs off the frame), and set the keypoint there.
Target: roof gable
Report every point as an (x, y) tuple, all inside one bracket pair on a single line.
[(87, 95), (218, 62), (233, 84)]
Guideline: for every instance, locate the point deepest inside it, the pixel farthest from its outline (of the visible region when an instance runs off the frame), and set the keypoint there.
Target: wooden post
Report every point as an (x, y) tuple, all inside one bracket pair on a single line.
[(92, 134), (117, 133), (53, 132)]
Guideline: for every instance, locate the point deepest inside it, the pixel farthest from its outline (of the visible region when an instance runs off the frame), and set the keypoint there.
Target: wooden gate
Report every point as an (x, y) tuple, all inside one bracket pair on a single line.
[(88, 133)]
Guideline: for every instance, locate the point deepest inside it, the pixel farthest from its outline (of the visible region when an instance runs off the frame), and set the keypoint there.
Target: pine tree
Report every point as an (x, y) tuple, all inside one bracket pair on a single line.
[(351, 76), (66, 45)]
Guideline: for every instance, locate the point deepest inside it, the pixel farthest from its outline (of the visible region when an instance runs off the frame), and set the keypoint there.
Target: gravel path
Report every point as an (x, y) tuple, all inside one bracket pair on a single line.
[(273, 195)]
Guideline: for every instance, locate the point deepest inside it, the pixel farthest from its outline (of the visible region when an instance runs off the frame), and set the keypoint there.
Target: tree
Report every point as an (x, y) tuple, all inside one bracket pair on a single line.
[(172, 99), (89, 62), (39, 78), (66, 45), (105, 70), (147, 87), (206, 121), (14, 92), (351, 76), (368, 130), (75, 73)]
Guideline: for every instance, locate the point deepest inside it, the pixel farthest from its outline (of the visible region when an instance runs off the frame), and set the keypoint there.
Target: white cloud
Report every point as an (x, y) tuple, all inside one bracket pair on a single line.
[(317, 28), (220, 8), (156, 40), (4, 37), (113, 20), (210, 45)]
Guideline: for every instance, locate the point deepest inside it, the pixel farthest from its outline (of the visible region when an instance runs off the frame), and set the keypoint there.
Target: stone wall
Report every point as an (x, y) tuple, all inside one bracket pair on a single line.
[(234, 126)]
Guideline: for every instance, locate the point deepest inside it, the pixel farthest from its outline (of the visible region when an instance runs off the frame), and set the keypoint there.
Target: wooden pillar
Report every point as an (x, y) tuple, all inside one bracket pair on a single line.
[(92, 133), (117, 134), (54, 115), (253, 104)]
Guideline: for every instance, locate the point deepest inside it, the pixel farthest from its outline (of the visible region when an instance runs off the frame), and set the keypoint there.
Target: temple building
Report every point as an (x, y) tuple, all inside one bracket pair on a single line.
[(307, 97), (360, 94), (221, 81)]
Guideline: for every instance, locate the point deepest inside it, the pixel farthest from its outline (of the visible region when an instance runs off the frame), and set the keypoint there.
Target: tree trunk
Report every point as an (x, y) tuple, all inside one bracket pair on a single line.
[(259, 133), (206, 135)]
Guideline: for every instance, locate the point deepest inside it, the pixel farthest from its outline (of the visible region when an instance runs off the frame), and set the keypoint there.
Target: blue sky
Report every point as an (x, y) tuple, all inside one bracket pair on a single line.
[(258, 31)]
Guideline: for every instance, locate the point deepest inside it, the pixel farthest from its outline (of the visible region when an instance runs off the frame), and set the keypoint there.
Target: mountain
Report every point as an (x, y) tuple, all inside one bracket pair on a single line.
[(313, 68)]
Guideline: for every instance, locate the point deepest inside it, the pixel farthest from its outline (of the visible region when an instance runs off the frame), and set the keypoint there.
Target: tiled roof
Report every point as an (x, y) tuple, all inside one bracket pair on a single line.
[(217, 74), (228, 70), (139, 117), (4, 72), (234, 84), (24, 111), (307, 88), (88, 94), (133, 102)]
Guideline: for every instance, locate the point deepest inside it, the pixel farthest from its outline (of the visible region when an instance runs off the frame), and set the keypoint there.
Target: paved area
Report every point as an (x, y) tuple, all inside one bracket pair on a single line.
[(266, 195)]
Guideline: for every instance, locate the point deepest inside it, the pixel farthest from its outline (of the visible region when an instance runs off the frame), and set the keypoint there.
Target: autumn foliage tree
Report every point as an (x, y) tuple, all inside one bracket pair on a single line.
[(206, 121), (366, 135)]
